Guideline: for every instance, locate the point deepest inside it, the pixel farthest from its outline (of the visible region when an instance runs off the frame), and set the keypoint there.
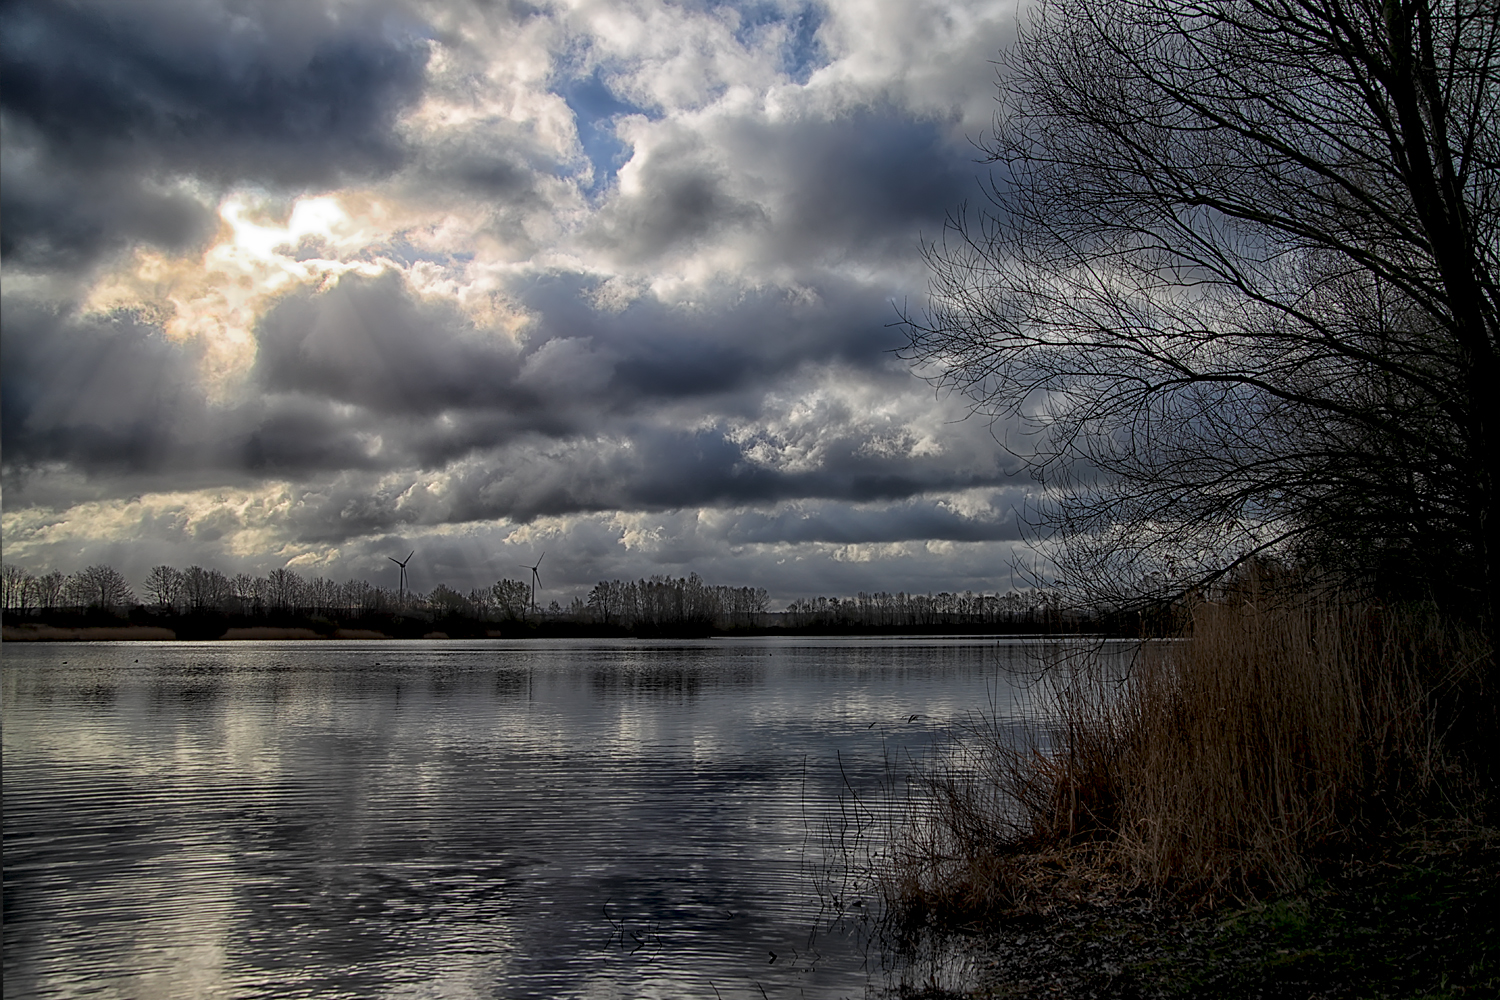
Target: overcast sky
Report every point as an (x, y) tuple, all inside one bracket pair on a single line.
[(310, 284)]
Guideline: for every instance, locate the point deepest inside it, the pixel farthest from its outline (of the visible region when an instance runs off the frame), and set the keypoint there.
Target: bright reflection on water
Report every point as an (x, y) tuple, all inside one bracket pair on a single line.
[(456, 819)]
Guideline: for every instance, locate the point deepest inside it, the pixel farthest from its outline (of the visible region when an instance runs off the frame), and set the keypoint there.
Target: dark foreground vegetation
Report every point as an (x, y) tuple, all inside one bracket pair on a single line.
[(1287, 729), (1237, 298), (1294, 800), (1413, 919)]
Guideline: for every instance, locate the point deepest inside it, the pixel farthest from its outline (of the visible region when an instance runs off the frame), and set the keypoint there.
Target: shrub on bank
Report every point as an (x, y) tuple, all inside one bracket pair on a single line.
[(1282, 730)]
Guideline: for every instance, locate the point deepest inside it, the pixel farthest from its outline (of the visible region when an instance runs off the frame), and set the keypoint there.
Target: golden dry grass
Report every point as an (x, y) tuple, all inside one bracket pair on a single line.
[(268, 632), (358, 633), (48, 633), (1280, 731)]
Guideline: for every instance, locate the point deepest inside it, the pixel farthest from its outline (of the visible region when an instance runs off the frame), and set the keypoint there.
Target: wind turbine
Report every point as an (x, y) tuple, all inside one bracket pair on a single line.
[(402, 563), (536, 579)]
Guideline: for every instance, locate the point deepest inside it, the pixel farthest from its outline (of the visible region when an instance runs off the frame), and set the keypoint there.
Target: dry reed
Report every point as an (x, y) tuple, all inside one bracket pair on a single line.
[(1221, 765)]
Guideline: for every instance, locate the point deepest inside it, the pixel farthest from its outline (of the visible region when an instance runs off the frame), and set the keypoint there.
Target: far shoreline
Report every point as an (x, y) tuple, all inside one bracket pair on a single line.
[(440, 631)]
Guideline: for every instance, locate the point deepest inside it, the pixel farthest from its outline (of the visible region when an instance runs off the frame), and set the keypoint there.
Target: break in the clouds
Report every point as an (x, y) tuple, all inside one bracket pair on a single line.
[(295, 284)]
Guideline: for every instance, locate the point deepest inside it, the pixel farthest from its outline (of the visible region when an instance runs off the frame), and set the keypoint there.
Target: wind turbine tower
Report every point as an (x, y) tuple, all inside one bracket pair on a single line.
[(536, 580), (402, 563)]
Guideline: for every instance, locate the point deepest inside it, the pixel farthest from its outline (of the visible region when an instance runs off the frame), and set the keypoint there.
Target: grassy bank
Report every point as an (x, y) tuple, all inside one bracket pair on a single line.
[(1264, 760), (1419, 919)]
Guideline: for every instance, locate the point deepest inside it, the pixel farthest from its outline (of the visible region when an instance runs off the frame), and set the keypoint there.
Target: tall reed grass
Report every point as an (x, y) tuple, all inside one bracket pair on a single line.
[(1280, 731)]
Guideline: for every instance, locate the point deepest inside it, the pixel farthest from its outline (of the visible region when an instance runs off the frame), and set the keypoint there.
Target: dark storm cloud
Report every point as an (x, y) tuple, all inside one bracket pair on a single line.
[(58, 216), (389, 410), (103, 393), (105, 101), (500, 164), (915, 519), (288, 94), (496, 174), (367, 341), (858, 185), (703, 380), (112, 398), (650, 468), (706, 468), (366, 378), (866, 183), (660, 469), (683, 201), (294, 436), (733, 340)]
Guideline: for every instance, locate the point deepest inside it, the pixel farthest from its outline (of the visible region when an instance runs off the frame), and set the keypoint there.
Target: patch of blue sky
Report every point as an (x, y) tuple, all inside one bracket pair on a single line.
[(801, 52), (595, 109)]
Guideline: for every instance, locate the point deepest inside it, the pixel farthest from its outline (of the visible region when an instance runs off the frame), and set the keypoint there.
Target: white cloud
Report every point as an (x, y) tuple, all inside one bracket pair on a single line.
[(631, 264)]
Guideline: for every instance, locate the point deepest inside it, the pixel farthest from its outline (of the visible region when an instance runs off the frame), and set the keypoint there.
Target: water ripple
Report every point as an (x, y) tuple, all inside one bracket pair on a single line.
[(451, 820)]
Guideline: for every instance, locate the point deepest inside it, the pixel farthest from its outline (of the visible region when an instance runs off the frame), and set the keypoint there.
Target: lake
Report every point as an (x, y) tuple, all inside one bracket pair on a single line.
[(498, 819)]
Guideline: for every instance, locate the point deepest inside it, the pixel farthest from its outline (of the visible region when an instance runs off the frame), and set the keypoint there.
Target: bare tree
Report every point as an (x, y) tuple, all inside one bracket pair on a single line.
[(99, 587), (242, 588), (482, 602), (49, 590), (322, 595), (284, 590), (512, 598), (164, 586), (260, 594), (444, 600), (358, 596), (19, 588), (205, 589), (1235, 291)]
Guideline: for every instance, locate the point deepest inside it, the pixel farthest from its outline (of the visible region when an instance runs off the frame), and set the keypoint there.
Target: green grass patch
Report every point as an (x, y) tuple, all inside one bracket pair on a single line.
[(1425, 928)]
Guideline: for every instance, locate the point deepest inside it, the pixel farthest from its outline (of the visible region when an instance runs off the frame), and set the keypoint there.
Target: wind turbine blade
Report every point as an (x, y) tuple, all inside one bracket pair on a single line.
[(394, 560), (540, 558), (409, 555)]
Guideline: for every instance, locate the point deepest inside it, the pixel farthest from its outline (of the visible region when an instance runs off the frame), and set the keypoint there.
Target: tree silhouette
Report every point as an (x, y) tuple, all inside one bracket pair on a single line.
[(1235, 290), (100, 587), (512, 598), (164, 586)]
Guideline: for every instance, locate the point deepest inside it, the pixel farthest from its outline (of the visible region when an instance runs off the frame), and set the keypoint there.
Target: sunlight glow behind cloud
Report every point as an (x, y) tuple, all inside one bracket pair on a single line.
[(298, 287)]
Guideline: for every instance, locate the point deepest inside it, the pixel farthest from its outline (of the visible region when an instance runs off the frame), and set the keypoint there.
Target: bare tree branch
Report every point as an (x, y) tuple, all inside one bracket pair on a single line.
[(1235, 291)]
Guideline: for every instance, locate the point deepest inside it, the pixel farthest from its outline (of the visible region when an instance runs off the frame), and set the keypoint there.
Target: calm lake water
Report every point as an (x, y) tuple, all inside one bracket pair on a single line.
[(558, 819)]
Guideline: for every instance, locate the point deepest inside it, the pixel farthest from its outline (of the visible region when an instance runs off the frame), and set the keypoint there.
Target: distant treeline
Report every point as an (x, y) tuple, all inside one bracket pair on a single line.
[(906, 611), (657, 604)]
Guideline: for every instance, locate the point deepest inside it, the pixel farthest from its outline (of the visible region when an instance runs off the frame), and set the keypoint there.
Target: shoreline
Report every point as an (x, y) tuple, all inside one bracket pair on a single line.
[(224, 631), (1419, 918)]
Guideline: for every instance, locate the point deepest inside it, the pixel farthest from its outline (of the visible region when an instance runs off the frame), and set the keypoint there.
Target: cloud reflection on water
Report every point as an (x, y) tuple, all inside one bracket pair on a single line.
[(450, 819)]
